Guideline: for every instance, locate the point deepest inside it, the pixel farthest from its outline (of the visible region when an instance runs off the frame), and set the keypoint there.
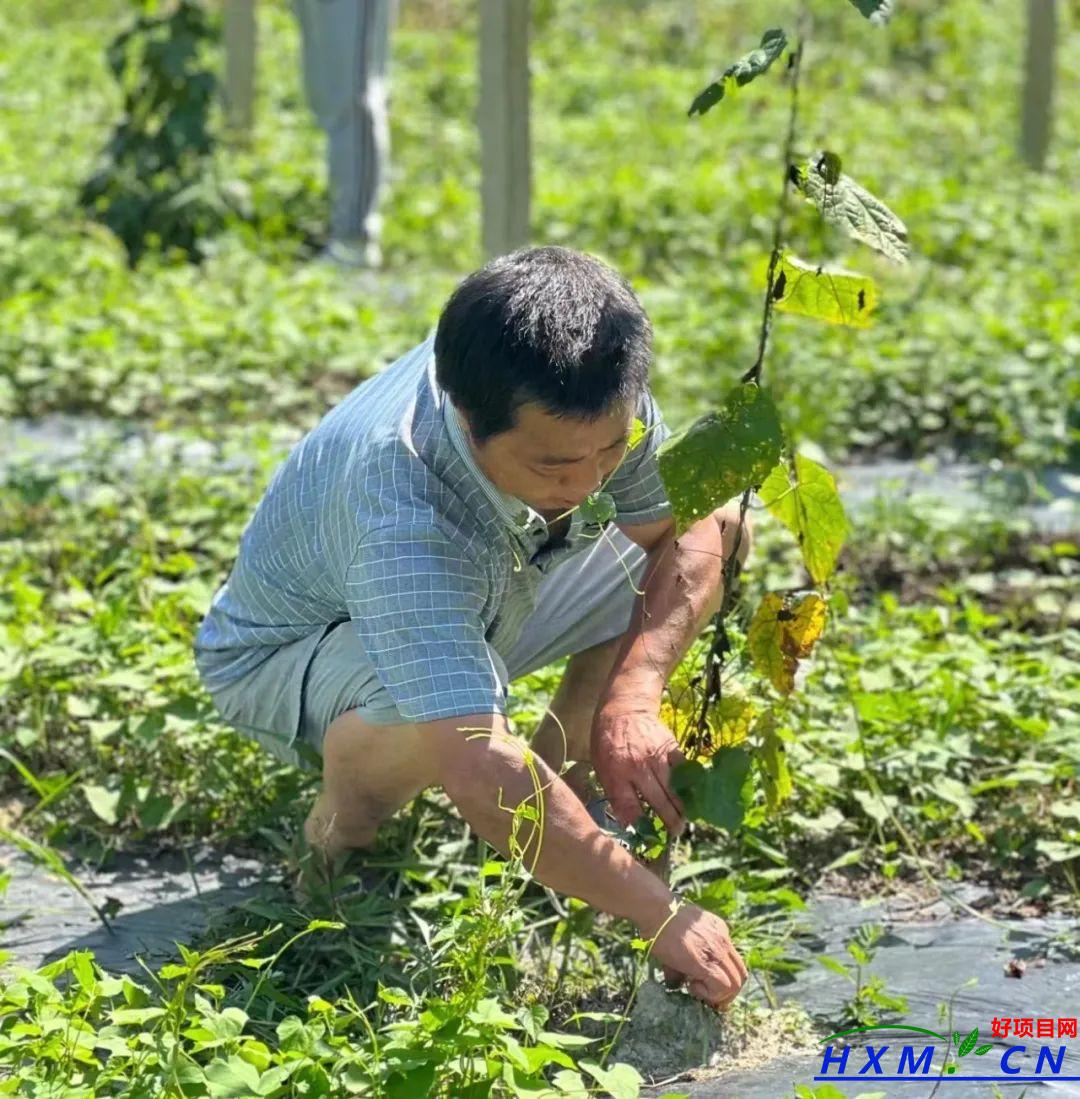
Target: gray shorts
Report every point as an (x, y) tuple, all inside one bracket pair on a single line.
[(289, 700)]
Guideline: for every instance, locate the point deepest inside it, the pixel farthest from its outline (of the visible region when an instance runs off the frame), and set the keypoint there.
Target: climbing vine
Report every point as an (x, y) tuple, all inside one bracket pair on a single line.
[(739, 449)]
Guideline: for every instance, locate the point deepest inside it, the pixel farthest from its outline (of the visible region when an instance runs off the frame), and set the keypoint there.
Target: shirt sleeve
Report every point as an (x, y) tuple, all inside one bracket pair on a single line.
[(636, 487), (415, 599)]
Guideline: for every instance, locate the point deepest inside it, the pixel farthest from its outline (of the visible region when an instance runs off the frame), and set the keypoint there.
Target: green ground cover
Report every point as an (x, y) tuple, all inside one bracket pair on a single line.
[(933, 738), (931, 742)]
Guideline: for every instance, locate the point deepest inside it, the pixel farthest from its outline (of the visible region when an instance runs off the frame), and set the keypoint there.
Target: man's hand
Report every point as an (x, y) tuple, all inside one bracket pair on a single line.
[(696, 947), (633, 753)]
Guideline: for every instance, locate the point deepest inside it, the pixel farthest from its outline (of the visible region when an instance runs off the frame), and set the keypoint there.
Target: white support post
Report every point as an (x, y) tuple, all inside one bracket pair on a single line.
[(503, 116), (1037, 110), (240, 66)]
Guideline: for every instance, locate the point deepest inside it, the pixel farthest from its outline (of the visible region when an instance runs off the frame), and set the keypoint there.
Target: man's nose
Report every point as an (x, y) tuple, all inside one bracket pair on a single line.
[(587, 481)]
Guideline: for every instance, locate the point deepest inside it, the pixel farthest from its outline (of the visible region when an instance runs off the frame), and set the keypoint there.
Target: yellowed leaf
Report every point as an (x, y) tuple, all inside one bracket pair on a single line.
[(732, 718), (671, 717), (780, 636), (802, 630), (765, 640), (681, 719), (827, 294)]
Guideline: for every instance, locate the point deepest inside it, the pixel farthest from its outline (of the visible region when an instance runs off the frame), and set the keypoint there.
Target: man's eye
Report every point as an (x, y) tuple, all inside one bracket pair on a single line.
[(554, 467)]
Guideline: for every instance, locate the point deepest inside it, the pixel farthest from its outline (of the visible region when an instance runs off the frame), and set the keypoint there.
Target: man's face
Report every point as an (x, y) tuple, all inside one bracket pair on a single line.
[(553, 464)]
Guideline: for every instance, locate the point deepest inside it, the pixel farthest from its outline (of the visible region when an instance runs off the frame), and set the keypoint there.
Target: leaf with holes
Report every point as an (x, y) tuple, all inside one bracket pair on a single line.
[(811, 509), (747, 68), (779, 636), (805, 626), (719, 794), (765, 640), (853, 208), (827, 294), (720, 455)]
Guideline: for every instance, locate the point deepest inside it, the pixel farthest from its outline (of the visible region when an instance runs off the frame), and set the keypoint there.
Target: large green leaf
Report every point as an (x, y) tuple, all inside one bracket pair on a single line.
[(719, 794), (621, 1081), (811, 509), (232, 1079), (744, 70), (720, 455), (852, 207), (417, 1081), (826, 293), (877, 11)]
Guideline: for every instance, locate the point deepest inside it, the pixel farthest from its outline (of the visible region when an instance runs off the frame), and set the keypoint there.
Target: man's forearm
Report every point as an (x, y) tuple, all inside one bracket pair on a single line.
[(568, 852), (684, 588)]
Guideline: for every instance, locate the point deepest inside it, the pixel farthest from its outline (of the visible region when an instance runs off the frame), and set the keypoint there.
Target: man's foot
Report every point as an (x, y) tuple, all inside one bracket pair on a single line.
[(309, 868), (317, 875), (352, 255)]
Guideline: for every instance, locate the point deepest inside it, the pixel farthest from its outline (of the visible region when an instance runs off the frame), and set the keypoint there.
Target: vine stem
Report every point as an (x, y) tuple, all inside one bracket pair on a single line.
[(779, 222), (721, 644)]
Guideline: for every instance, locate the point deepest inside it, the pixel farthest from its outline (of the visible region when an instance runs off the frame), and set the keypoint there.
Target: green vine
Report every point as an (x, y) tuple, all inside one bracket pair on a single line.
[(739, 449)]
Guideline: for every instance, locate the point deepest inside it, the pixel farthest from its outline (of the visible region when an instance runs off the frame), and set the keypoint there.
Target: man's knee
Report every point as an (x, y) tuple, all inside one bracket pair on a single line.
[(385, 764)]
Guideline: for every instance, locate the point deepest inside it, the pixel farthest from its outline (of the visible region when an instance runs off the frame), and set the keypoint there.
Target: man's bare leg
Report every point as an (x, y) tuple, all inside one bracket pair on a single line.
[(372, 770), (574, 705), (369, 772)]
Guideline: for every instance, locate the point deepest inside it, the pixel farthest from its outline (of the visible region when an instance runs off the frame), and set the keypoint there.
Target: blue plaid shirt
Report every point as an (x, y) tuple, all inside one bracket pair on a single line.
[(381, 516)]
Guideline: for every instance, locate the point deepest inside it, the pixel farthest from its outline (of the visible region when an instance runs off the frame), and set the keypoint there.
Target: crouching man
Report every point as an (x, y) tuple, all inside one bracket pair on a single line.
[(424, 546)]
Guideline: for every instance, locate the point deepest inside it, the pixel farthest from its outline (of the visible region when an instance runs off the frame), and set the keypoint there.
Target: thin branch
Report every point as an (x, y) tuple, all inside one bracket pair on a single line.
[(721, 643), (779, 222)]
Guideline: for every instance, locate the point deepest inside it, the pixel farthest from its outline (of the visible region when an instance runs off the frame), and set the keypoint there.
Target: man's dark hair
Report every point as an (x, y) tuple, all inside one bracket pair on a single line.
[(549, 325)]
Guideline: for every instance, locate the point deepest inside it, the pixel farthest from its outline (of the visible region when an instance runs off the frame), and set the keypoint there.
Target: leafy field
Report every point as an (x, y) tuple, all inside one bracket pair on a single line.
[(976, 346), (932, 739)]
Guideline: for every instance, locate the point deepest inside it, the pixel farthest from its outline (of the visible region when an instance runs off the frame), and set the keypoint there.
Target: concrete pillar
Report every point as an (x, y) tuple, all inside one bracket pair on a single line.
[(503, 117), (1037, 109), (240, 66)]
